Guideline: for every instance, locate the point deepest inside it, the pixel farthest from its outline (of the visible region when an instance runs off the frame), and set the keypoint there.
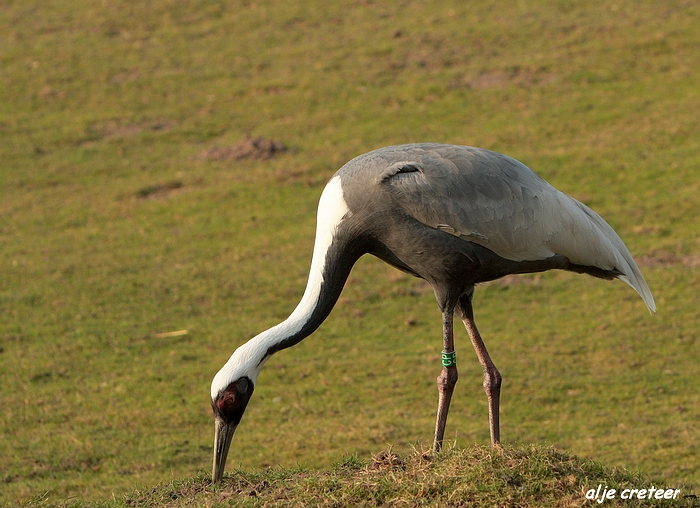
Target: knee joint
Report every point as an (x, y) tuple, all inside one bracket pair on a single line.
[(492, 380), (448, 377)]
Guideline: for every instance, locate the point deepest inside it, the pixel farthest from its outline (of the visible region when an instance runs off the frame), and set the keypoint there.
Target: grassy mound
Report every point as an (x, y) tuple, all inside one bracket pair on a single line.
[(476, 476)]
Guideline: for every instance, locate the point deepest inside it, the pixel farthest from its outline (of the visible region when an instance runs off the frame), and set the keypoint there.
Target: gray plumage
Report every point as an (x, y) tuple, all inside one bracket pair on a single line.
[(492, 200), (455, 216)]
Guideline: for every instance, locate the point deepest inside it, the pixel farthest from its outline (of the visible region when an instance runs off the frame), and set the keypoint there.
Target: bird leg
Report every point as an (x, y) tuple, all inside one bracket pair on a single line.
[(446, 381), (492, 378)]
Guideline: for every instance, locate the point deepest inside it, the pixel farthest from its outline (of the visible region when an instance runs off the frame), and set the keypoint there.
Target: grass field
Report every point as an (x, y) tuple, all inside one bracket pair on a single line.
[(118, 225)]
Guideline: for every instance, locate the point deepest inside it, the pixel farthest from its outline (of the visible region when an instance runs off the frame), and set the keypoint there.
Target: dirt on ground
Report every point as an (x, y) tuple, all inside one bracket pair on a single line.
[(257, 148), (668, 259)]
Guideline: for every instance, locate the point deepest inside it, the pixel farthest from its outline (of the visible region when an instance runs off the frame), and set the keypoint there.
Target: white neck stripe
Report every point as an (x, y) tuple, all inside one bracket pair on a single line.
[(248, 359)]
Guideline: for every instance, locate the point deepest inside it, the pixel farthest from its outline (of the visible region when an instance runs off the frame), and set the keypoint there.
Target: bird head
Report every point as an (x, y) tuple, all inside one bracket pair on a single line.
[(231, 391), (229, 406)]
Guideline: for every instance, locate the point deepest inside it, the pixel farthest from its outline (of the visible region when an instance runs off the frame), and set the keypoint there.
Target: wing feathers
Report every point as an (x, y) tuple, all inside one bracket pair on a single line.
[(497, 202)]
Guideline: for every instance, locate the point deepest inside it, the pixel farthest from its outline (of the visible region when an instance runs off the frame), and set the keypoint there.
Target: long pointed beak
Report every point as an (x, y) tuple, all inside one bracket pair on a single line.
[(223, 434)]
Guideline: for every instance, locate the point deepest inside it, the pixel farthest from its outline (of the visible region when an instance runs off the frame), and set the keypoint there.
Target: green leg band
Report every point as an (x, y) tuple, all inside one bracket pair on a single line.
[(449, 359)]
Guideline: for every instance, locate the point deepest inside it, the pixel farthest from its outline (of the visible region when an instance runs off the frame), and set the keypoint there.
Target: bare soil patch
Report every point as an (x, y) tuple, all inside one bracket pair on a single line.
[(663, 259), (159, 190), (111, 129), (501, 78), (257, 148)]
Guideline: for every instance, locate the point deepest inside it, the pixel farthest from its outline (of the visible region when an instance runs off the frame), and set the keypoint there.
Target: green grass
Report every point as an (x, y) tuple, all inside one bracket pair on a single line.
[(114, 228)]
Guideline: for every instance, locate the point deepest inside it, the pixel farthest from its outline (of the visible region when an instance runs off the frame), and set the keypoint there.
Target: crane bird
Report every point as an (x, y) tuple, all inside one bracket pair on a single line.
[(454, 216)]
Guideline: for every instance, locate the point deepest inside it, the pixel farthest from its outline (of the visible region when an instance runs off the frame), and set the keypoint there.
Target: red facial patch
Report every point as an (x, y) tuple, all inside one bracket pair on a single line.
[(231, 403)]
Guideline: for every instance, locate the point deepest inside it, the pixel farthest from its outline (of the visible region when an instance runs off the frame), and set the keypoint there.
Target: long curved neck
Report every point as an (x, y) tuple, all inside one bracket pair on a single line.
[(330, 268), (326, 281), (336, 249)]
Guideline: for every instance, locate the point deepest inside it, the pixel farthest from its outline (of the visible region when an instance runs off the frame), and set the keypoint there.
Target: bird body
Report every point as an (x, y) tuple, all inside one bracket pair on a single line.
[(487, 199), (455, 216)]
